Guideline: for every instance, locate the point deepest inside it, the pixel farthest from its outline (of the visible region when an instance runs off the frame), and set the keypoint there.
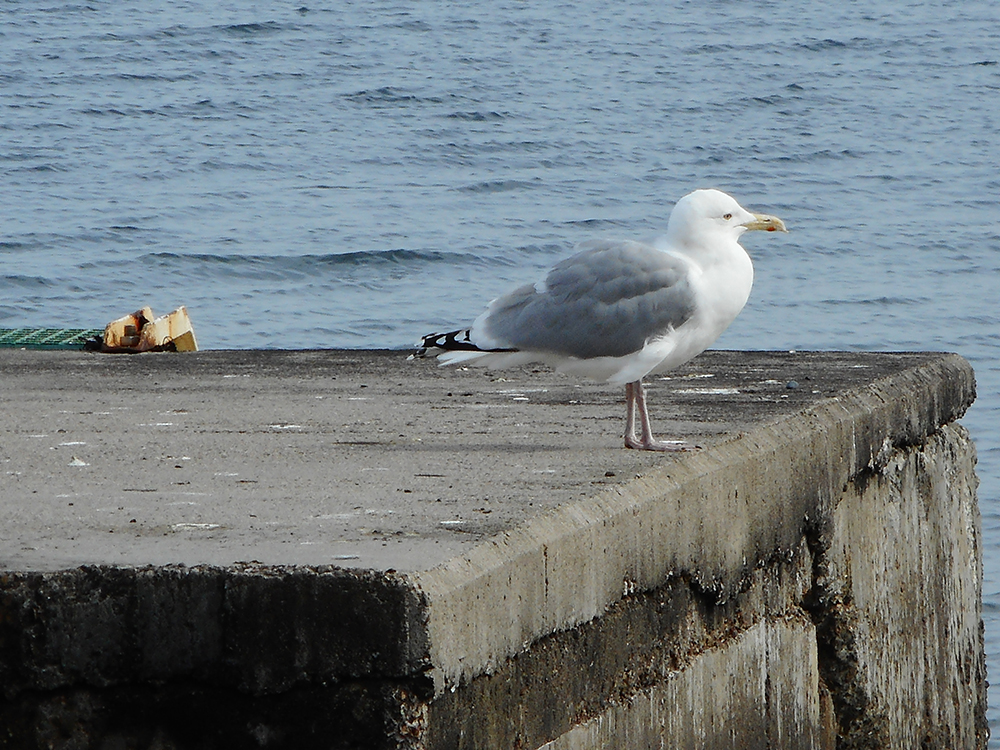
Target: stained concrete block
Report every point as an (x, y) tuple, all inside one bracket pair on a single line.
[(340, 549), (900, 575), (759, 690)]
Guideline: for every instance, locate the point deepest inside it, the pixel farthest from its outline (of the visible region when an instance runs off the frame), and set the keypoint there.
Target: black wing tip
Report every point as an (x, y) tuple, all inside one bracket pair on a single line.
[(449, 342), (452, 341)]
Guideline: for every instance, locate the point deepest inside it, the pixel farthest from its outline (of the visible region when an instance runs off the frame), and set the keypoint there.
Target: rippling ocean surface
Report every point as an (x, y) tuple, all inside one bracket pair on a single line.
[(357, 176)]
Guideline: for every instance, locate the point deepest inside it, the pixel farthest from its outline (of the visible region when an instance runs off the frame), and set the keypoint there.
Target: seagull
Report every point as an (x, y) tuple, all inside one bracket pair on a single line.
[(619, 310)]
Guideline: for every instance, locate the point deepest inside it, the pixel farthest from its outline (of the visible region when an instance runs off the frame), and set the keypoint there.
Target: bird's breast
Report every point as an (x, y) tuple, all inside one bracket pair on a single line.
[(723, 290)]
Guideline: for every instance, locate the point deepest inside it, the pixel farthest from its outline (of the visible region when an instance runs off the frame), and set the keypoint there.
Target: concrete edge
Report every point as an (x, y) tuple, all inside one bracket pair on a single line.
[(714, 516)]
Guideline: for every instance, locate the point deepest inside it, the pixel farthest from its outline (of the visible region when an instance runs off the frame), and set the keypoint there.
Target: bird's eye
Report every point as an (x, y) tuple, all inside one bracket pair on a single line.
[(727, 217)]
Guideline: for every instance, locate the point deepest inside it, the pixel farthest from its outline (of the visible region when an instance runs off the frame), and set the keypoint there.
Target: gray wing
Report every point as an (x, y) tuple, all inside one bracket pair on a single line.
[(605, 301)]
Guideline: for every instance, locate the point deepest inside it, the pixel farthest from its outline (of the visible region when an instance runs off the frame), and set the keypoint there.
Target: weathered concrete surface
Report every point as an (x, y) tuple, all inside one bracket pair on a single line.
[(779, 705), (355, 550), (877, 645), (894, 598)]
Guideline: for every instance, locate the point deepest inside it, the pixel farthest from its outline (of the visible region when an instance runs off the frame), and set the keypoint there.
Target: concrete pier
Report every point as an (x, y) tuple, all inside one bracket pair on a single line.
[(339, 549)]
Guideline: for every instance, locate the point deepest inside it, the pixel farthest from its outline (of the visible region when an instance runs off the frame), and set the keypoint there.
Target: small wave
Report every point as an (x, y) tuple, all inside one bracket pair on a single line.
[(45, 168), (496, 186), (822, 154), (401, 255), (12, 245), (821, 45), (250, 29), (714, 48), (212, 165), (410, 25), (29, 282), (273, 266), (94, 111), (876, 301), (595, 223), (769, 101), (476, 116), (387, 95), (141, 77)]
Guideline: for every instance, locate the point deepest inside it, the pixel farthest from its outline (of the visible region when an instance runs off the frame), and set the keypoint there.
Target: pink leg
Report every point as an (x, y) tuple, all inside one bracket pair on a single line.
[(630, 415), (635, 399)]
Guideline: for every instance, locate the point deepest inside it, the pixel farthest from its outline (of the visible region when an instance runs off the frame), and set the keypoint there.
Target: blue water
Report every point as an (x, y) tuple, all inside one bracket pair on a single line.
[(305, 177)]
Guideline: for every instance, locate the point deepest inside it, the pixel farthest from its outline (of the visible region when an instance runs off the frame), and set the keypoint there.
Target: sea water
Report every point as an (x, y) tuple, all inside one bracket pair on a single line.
[(360, 173)]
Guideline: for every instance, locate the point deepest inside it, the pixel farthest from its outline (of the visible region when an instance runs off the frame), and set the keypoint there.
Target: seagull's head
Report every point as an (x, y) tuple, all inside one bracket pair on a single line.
[(712, 213)]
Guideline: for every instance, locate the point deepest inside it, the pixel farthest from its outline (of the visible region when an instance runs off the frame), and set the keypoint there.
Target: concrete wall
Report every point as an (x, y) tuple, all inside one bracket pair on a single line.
[(810, 579), (878, 645), (898, 578)]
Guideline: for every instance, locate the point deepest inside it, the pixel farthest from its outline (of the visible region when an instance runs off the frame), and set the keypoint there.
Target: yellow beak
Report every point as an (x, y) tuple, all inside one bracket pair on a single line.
[(766, 223)]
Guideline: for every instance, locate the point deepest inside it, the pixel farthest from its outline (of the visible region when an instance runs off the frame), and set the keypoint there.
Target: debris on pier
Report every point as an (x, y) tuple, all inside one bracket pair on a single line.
[(141, 331)]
